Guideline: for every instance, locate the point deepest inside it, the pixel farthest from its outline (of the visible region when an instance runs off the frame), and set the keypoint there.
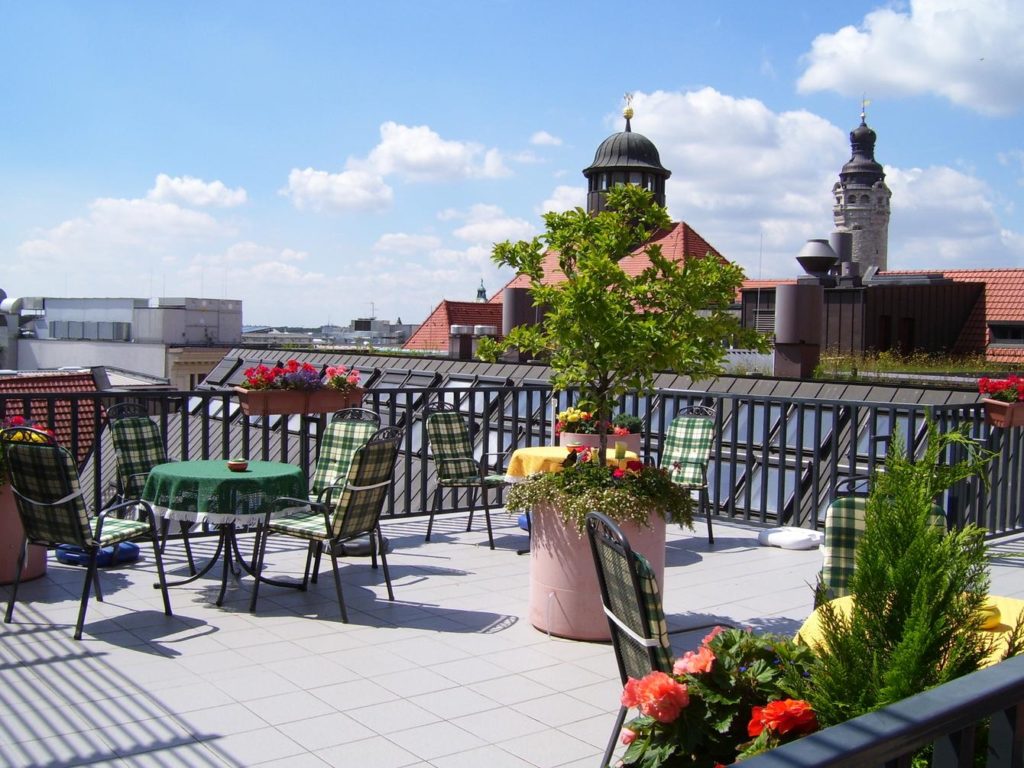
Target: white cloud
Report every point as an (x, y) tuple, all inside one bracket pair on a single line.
[(489, 224), (399, 242), (565, 198), (1014, 159), (352, 190), (967, 51), (545, 139), (419, 154), (193, 191)]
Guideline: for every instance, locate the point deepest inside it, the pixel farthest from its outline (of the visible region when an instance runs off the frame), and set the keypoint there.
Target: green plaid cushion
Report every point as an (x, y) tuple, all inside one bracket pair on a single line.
[(138, 448), (41, 475), (116, 530), (305, 524), (453, 452), (341, 441), (844, 525), (656, 627), (687, 448)]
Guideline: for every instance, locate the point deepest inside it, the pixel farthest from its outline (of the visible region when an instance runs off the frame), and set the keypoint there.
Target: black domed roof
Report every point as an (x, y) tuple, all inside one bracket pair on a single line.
[(862, 167), (627, 150)]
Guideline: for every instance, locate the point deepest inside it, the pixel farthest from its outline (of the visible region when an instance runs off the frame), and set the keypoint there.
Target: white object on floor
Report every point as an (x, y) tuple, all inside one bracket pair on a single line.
[(789, 537)]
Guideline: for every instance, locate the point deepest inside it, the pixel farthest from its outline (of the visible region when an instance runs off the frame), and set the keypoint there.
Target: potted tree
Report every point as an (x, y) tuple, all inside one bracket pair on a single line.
[(609, 330)]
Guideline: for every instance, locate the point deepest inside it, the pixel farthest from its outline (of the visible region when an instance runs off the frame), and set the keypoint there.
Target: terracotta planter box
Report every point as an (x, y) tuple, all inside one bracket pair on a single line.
[(633, 441), (565, 598), (11, 534), (267, 402), (1001, 414)]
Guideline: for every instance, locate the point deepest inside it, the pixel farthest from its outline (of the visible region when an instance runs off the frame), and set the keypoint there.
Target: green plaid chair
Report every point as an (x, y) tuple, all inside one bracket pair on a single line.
[(686, 451), (345, 511), (632, 602), (52, 509), (844, 526), (456, 467), (138, 447)]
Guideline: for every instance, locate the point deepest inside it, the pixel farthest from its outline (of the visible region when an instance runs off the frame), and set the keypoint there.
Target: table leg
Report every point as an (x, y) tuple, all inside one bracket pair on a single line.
[(206, 568)]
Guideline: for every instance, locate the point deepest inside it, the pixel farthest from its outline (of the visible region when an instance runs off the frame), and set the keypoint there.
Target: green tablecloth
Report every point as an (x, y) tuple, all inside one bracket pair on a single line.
[(207, 491)]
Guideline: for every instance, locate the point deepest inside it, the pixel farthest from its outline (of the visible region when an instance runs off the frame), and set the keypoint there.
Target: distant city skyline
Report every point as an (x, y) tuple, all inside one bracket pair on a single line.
[(336, 160)]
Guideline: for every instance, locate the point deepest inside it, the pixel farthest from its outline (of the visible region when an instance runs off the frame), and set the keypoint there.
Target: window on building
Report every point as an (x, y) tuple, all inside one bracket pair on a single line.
[(1006, 334)]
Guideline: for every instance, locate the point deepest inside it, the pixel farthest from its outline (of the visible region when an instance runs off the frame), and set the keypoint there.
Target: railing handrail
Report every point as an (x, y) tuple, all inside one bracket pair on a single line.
[(899, 730)]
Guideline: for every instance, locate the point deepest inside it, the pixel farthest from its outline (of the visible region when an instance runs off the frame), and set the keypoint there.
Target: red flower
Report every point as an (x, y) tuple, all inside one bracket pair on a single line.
[(620, 431), (618, 474), (658, 695), (634, 466), (17, 421), (783, 717)]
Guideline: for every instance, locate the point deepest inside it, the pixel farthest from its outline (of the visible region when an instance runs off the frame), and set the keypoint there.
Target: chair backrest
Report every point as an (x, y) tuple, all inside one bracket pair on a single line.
[(358, 507), (687, 447), (341, 440), (844, 526), (357, 414), (138, 447), (631, 599), (451, 446), (46, 488)]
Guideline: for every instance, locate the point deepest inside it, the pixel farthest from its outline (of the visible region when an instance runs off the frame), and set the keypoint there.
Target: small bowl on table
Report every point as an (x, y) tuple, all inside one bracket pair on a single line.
[(238, 465)]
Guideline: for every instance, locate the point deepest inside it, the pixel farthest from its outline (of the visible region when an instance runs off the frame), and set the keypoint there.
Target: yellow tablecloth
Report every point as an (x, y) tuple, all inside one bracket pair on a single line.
[(1010, 609), (549, 458)]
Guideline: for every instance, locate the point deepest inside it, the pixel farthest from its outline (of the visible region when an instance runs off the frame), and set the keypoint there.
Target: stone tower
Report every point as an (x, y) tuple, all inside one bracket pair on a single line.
[(861, 201), (625, 158)]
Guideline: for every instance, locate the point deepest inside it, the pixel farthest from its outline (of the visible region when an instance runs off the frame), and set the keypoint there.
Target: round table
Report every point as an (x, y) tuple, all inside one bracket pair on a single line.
[(207, 491)]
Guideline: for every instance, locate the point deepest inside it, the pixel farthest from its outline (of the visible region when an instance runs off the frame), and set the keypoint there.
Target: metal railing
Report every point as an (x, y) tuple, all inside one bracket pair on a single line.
[(775, 459), (947, 717)]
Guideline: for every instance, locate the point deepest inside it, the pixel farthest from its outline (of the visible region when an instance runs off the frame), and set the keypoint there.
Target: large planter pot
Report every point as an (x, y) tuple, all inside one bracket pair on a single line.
[(565, 598), (633, 441), (267, 402), (1002, 414), (11, 535)]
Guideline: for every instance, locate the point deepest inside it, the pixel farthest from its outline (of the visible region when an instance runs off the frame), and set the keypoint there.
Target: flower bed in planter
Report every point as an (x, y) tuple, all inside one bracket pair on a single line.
[(266, 402)]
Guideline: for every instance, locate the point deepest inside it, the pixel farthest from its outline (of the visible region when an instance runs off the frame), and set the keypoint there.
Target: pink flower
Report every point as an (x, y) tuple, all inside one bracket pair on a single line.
[(657, 695), (620, 431), (712, 635), (783, 717), (618, 473), (627, 736), (692, 663)]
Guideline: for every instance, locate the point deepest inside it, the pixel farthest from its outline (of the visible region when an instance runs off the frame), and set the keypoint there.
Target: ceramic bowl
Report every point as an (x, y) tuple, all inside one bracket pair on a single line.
[(238, 465)]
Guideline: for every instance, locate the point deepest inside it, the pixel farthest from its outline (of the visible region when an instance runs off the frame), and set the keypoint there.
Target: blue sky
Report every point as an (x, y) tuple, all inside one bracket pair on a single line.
[(322, 160)]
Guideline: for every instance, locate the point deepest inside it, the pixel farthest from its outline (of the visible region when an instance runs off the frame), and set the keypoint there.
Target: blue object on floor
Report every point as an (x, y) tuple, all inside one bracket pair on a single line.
[(524, 521), (127, 552)]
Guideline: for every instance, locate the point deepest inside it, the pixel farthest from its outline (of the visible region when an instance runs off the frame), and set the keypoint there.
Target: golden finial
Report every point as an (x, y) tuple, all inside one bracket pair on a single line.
[(864, 108), (628, 111)]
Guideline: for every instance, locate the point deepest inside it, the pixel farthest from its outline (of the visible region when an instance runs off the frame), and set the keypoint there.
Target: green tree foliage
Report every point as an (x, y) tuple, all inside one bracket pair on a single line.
[(607, 332), (917, 589)]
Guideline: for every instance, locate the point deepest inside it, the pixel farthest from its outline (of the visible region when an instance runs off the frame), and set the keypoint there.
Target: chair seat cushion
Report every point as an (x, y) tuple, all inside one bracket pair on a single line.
[(116, 529), (475, 481), (303, 524)]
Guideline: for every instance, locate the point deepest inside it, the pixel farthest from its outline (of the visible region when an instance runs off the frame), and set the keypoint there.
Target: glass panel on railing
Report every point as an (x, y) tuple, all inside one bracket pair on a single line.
[(720, 473), (750, 418), (771, 477), (811, 431)]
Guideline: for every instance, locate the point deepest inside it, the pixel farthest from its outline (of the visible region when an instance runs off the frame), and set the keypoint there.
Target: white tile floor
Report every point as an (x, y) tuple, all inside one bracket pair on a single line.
[(449, 675)]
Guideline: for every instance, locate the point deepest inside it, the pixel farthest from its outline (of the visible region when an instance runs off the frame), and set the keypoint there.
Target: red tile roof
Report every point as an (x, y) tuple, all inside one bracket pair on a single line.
[(432, 335), (1001, 301), (753, 285), (50, 382), (678, 243)]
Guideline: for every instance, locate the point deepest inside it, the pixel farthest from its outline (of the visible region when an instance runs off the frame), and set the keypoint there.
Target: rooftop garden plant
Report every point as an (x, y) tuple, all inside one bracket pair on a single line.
[(607, 331), (294, 375), (632, 492), (1008, 390), (32, 429), (578, 421), (737, 694)]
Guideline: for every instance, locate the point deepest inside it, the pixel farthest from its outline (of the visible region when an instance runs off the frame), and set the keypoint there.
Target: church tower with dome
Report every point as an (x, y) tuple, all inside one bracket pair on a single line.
[(861, 200), (625, 158)]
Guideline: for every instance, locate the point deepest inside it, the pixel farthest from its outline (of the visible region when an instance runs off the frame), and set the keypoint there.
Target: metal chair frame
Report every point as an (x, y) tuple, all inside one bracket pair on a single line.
[(704, 498), (67, 510), (483, 483), (351, 490)]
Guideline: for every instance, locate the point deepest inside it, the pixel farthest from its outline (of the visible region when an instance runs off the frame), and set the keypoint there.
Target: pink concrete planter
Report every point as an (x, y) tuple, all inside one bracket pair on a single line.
[(1002, 414), (565, 599), (11, 535)]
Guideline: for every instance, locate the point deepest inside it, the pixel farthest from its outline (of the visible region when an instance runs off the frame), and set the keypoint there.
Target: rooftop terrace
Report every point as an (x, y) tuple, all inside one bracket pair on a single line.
[(451, 674)]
